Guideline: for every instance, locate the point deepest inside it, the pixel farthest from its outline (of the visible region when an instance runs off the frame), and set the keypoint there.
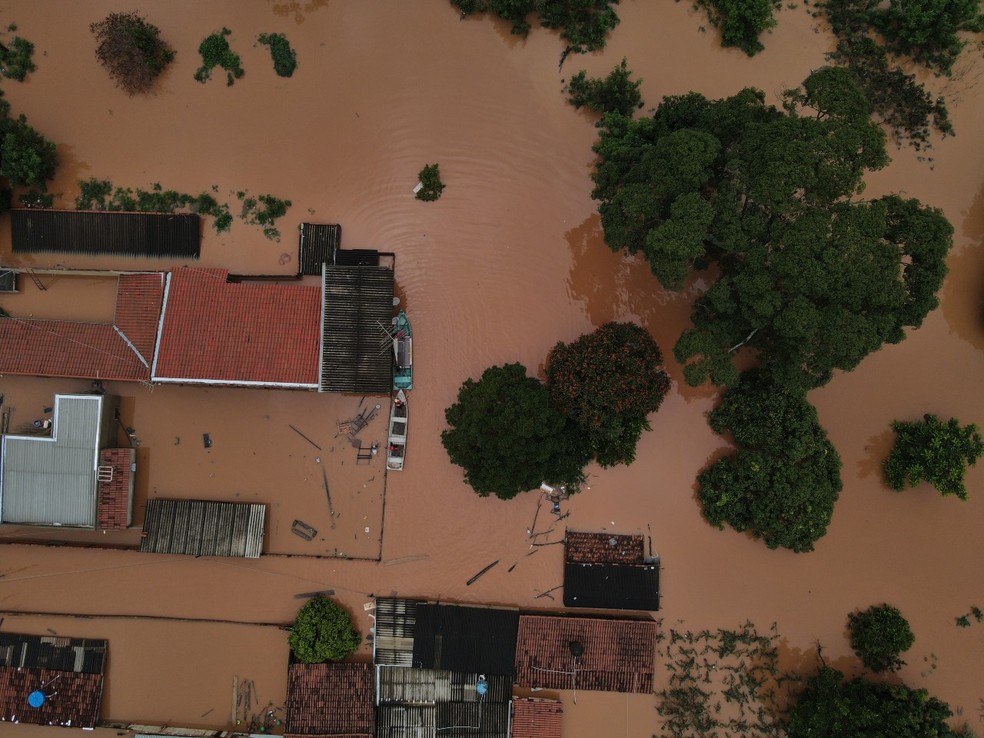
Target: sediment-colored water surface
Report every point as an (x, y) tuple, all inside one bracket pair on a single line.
[(507, 263)]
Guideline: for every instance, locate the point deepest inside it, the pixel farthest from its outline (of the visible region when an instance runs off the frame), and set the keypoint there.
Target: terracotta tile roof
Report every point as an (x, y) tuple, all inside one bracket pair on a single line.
[(74, 699), (52, 348), (533, 718), (331, 700), (247, 333), (113, 509), (603, 548), (616, 655), (138, 310)]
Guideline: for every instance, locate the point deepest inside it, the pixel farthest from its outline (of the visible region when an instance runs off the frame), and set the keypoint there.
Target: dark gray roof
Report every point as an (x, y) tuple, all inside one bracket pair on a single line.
[(465, 638), (154, 235), (203, 528), (80, 655), (357, 354), (396, 621), (400, 685), (319, 242), (612, 586)]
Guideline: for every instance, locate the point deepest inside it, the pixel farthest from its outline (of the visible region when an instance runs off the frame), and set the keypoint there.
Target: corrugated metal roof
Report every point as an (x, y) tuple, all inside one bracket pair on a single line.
[(398, 684), (612, 586), (59, 653), (89, 232), (396, 621), (318, 245), (536, 718), (612, 655), (330, 699), (357, 355), (474, 719), (203, 528), (406, 721), (465, 638), (218, 332), (48, 481), (76, 702)]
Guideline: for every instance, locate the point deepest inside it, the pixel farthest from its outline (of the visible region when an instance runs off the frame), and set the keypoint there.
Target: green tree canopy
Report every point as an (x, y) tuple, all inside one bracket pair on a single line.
[(878, 635), (741, 21), (810, 280), (584, 24), (323, 631), (607, 382), (131, 50), (933, 451), (859, 708), (782, 482), (508, 437), (27, 159), (616, 93)]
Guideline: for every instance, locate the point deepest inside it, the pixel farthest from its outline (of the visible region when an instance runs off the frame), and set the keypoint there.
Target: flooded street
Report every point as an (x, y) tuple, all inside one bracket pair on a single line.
[(508, 262)]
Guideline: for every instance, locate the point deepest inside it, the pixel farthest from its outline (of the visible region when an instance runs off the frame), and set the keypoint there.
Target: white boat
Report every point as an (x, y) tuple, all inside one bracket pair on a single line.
[(396, 443)]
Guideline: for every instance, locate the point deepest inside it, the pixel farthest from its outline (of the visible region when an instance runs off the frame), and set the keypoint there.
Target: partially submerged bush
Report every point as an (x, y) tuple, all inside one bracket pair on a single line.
[(879, 635), (616, 93), (284, 57), (16, 58), (216, 52), (132, 51), (264, 210), (430, 178), (99, 194)]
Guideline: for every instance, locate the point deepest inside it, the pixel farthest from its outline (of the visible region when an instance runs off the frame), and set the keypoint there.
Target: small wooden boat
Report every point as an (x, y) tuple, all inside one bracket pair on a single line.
[(396, 443), (402, 353)]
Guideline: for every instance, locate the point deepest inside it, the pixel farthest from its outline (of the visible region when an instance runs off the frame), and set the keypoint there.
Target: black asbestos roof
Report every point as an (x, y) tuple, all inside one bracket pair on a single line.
[(82, 655), (468, 639), (155, 235), (612, 586)]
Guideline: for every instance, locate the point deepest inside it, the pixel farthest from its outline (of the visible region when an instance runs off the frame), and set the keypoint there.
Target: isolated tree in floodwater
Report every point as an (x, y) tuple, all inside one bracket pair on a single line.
[(616, 93), (132, 51), (27, 159), (809, 279), (607, 382), (782, 482), (323, 631), (860, 708), (933, 451), (741, 22), (508, 437), (879, 635)]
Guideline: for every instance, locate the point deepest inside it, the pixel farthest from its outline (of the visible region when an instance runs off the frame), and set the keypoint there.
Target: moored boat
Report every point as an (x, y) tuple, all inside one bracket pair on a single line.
[(396, 443), (402, 353)]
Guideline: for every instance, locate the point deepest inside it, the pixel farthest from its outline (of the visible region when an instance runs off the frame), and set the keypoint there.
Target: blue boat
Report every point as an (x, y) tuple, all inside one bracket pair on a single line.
[(402, 353)]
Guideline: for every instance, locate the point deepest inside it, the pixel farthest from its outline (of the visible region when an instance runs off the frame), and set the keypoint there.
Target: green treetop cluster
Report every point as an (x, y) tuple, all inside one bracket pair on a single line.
[(811, 279), (323, 631), (879, 635), (741, 22), (216, 52), (933, 451), (616, 93)]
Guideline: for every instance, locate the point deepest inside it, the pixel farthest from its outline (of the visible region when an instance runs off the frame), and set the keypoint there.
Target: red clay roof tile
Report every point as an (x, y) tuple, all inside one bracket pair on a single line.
[(536, 718), (219, 331), (74, 699), (585, 653), (138, 310), (113, 509), (603, 548), (331, 699)]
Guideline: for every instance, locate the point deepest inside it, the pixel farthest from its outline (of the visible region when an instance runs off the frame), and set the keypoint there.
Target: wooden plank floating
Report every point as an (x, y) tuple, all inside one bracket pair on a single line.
[(480, 574)]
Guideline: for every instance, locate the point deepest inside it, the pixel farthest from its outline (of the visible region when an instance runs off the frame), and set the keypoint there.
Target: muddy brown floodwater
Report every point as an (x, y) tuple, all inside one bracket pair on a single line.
[(508, 262)]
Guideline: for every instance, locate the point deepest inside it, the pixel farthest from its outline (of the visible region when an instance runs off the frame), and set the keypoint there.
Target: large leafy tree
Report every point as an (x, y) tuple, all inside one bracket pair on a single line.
[(508, 437), (933, 451), (132, 51), (584, 24), (782, 482), (607, 382), (859, 708), (810, 280), (323, 631), (27, 159), (879, 635)]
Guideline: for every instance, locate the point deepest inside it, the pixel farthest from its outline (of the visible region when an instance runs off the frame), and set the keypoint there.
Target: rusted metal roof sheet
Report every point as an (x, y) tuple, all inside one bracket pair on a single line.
[(612, 655), (203, 528), (335, 699), (154, 235)]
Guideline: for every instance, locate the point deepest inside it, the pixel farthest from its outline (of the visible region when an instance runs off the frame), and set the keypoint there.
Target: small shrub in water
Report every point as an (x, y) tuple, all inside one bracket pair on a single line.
[(430, 178), (284, 57), (216, 52)]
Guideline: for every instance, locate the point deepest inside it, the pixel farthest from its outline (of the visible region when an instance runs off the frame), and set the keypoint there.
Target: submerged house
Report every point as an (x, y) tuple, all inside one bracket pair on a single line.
[(609, 571), (203, 326), (51, 680), (74, 475)]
